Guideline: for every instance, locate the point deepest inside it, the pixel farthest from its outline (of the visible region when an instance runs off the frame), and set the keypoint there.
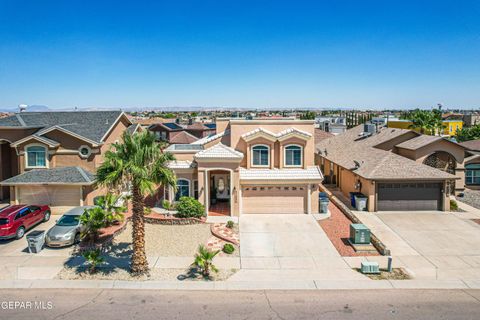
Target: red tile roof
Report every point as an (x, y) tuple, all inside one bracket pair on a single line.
[(183, 138)]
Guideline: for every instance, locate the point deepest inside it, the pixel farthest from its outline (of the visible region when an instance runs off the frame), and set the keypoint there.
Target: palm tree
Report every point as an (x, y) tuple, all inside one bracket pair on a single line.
[(421, 120), (139, 164)]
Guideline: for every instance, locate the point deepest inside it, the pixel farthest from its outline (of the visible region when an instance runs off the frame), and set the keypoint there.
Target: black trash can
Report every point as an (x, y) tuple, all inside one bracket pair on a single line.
[(35, 240)]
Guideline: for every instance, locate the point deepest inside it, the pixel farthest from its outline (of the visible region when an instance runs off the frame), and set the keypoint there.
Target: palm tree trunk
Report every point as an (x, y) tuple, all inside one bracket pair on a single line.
[(139, 264)]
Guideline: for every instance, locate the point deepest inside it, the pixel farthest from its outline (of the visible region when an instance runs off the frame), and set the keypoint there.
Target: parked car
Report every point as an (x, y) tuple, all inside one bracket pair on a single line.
[(67, 229), (15, 220)]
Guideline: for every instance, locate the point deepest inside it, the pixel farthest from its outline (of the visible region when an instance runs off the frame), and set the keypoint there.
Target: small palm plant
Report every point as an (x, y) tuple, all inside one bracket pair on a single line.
[(113, 210), (204, 261), (92, 220), (93, 258)]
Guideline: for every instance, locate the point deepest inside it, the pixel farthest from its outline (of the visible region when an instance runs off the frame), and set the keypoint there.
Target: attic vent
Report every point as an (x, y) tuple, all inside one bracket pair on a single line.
[(106, 121)]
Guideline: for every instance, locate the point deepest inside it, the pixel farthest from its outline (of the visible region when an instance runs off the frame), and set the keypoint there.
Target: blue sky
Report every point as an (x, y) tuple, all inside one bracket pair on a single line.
[(370, 54)]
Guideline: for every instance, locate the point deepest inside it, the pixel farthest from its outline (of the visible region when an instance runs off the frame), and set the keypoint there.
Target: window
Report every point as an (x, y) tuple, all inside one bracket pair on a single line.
[(36, 157), (472, 174), (84, 151), (183, 189), (293, 156), (22, 213), (261, 156)]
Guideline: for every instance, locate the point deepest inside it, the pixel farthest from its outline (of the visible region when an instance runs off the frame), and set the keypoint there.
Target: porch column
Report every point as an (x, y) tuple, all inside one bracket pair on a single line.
[(309, 198), (206, 187)]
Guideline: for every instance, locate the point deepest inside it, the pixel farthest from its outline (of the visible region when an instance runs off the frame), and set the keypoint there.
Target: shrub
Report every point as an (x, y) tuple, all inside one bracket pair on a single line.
[(453, 205), (230, 224), (93, 220), (166, 205), (147, 211), (113, 206), (94, 258), (228, 248), (188, 207), (204, 260)]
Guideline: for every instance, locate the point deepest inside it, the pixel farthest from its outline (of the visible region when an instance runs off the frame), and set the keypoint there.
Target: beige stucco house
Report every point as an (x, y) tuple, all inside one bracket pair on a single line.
[(250, 167), (51, 157), (397, 169)]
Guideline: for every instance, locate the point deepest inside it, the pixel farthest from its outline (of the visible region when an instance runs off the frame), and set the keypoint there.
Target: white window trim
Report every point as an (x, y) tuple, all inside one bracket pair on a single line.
[(47, 162), (251, 156), (285, 156), (189, 187)]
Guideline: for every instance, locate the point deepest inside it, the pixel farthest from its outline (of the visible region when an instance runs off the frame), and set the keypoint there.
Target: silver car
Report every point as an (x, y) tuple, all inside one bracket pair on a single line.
[(67, 229)]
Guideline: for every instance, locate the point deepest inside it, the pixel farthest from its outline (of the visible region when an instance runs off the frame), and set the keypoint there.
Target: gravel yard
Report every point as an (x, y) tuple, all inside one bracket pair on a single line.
[(166, 240), (471, 197)]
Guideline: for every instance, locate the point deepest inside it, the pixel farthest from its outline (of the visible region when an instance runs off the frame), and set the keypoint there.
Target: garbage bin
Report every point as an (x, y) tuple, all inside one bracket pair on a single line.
[(322, 195), (35, 240), (324, 205), (352, 198), (360, 202)]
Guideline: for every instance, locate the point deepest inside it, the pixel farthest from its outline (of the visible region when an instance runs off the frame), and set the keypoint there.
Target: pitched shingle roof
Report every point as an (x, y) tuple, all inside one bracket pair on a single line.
[(59, 175), (473, 145), (92, 125), (418, 142), (212, 137), (310, 173), (349, 149), (219, 151)]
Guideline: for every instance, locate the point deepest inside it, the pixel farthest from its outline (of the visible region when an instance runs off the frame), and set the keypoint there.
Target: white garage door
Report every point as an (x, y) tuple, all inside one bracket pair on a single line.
[(55, 196), (273, 199)]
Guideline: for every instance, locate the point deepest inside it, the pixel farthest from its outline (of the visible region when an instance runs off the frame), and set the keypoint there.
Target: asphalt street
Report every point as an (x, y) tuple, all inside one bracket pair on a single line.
[(106, 304)]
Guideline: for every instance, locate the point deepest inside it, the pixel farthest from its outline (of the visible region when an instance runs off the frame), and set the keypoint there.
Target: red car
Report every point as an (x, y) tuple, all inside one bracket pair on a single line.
[(15, 220)]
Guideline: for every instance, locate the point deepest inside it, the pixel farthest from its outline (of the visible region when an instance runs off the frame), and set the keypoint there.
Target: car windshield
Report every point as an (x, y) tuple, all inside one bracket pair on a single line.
[(68, 220)]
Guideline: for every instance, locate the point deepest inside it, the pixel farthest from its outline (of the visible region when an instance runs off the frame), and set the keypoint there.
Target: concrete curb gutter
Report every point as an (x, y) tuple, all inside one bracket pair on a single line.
[(241, 285)]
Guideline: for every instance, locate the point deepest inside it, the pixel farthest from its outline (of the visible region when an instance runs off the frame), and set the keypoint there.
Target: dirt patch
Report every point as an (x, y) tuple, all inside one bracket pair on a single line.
[(155, 274), (396, 274), (169, 240)]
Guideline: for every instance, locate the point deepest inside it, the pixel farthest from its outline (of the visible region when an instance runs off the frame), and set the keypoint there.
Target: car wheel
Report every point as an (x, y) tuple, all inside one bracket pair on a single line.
[(20, 233), (46, 217), (77, 239)]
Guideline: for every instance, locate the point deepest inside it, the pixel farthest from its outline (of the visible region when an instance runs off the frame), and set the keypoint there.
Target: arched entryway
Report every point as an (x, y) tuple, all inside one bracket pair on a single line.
[(443, 161), (219, 194)]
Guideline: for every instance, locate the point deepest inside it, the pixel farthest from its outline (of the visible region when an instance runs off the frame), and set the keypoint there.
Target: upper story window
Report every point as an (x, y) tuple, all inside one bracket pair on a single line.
[(293, 156), (36, 157), (260, 156)]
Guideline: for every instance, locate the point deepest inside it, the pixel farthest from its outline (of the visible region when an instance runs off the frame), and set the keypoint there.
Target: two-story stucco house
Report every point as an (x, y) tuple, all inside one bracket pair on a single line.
[(250, 167), (51, 157)]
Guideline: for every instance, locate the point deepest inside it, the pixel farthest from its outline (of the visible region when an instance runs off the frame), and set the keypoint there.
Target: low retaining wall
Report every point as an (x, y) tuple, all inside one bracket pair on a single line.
[(172, 220), (377, 243)]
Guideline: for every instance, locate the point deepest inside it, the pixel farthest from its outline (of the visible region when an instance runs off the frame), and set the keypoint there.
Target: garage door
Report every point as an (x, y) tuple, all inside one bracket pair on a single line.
[(409, 196), (51, 195), (273, 199)]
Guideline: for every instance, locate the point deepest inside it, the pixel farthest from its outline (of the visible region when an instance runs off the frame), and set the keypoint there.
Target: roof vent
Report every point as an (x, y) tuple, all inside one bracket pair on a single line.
[(370, 128)]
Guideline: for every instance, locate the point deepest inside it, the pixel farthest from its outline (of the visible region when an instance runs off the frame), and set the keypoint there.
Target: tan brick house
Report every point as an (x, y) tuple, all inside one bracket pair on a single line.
[(51, 157), (250, 167)]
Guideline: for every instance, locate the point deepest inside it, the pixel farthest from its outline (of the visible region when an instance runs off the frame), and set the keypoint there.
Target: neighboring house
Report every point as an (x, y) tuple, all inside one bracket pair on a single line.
[(165, 131), (397, 169), (472, 164), (450, 126), (334, 125), (201, 130), (250, 167), (51, 157)]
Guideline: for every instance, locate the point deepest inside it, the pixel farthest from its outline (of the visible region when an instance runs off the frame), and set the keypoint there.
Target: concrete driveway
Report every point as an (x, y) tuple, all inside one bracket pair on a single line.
[(290, 247), (17, 263), (433, 245)]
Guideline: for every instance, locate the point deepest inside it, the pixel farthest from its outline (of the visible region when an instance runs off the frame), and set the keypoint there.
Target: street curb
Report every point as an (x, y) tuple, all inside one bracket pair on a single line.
[(240, 285)]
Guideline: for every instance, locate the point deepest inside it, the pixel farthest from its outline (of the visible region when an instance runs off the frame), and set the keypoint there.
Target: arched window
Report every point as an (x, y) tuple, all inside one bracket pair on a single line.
[(293, 156), (36, 157), (260, 156), (183, 189)]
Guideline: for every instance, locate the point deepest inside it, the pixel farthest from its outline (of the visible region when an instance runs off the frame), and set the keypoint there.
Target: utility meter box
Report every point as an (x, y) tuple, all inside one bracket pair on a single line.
[(359, 233)]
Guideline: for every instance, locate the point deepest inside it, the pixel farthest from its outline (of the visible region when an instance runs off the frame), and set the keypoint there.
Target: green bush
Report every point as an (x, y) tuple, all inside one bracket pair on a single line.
[(93, 258), (230, 224), (453, 205), (147, 211), (228, 248), (166, 205), (188, 207)]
